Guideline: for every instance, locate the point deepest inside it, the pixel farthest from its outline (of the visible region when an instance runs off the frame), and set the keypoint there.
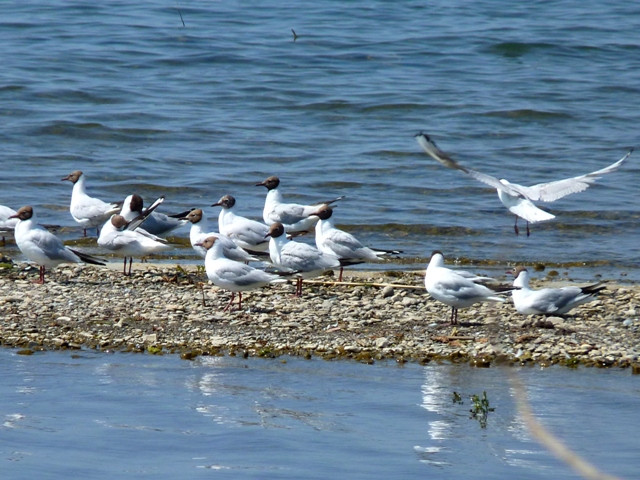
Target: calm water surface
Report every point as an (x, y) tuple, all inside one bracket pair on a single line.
[(95, 415), (144, 103)]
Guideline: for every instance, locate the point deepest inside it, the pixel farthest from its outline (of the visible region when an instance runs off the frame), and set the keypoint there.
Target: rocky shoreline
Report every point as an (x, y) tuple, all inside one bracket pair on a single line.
[(373, 316)]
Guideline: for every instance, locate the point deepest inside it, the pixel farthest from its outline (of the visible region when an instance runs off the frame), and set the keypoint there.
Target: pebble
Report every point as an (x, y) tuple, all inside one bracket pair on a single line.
[(330, 321)]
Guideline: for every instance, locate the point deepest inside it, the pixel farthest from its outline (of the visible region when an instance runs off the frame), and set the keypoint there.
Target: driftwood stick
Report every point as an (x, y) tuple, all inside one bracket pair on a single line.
[(365, 284)]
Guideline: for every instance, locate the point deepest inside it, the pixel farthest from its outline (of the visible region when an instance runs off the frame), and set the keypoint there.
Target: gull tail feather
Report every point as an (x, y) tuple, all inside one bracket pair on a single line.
[(86, 258)]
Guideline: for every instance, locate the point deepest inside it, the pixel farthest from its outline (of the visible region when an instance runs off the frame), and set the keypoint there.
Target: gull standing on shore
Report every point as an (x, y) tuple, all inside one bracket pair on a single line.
[(234, 276), (296, 218), (155, 223), (549, 301), (123, 238), (199, 232), (300, 259), (43, 247), (346, 247), (88, 211), (458, 288), (518, 199), (248, 234)]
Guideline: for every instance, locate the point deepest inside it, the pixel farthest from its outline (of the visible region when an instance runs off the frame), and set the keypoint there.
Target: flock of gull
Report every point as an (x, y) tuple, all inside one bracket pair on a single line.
[(128, 229)]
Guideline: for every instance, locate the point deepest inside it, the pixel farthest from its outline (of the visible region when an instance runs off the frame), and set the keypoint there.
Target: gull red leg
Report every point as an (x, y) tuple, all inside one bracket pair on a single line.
[(41, 277), (340, 276), (233, 296)]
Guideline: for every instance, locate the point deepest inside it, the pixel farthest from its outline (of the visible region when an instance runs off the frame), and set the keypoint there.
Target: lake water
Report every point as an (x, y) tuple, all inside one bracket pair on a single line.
[(94, 415), (198, 99)]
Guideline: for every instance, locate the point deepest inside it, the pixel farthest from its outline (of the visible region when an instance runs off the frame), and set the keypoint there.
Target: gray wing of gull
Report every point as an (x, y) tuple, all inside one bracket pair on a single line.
[(551, 300), (346, 246), (244, 275), (430, 148), (247, 230), (303, 257), (52, 246)]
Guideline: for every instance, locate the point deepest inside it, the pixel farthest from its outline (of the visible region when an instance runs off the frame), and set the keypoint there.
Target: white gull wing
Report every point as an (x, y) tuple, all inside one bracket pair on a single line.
[(551, 191), (545, 192)]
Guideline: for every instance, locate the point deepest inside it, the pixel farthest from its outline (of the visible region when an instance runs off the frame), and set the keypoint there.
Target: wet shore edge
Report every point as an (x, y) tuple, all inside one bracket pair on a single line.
[(371, 316)]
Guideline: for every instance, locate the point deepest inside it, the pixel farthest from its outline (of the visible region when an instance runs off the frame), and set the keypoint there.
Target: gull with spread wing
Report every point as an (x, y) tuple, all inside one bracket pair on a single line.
[(519, 198)]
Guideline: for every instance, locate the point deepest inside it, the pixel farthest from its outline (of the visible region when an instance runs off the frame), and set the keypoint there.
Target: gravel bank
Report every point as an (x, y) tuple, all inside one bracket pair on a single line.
[(160, 309)]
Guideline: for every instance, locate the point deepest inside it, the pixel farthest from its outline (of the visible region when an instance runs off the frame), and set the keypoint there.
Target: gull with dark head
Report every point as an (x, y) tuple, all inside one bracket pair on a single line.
[(43, 247), (234, 276), (124, 238), (248, 234), (549, 301), (296, 218), (518, 199), (88, 211), (458, 288), (345, 246), (300, 259), (199, 232)]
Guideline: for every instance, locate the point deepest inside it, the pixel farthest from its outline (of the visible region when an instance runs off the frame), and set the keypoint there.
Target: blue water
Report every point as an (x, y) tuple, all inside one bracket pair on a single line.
[(144, 103), (95, 415)]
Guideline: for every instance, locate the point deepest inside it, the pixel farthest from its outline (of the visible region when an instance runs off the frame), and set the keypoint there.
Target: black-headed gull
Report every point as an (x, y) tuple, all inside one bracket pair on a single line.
[(8, 221), (88, 211), (519, 198), (199, 232), (458, 288), (300, 259), (156, 223), (549, 301), (122, 238), (231, 275), (346, 247), (247, 233), (43, 247), (296, 218)]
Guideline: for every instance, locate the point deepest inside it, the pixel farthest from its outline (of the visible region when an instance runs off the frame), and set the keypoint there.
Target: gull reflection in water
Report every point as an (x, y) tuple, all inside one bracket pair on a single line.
[(435, 396)]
